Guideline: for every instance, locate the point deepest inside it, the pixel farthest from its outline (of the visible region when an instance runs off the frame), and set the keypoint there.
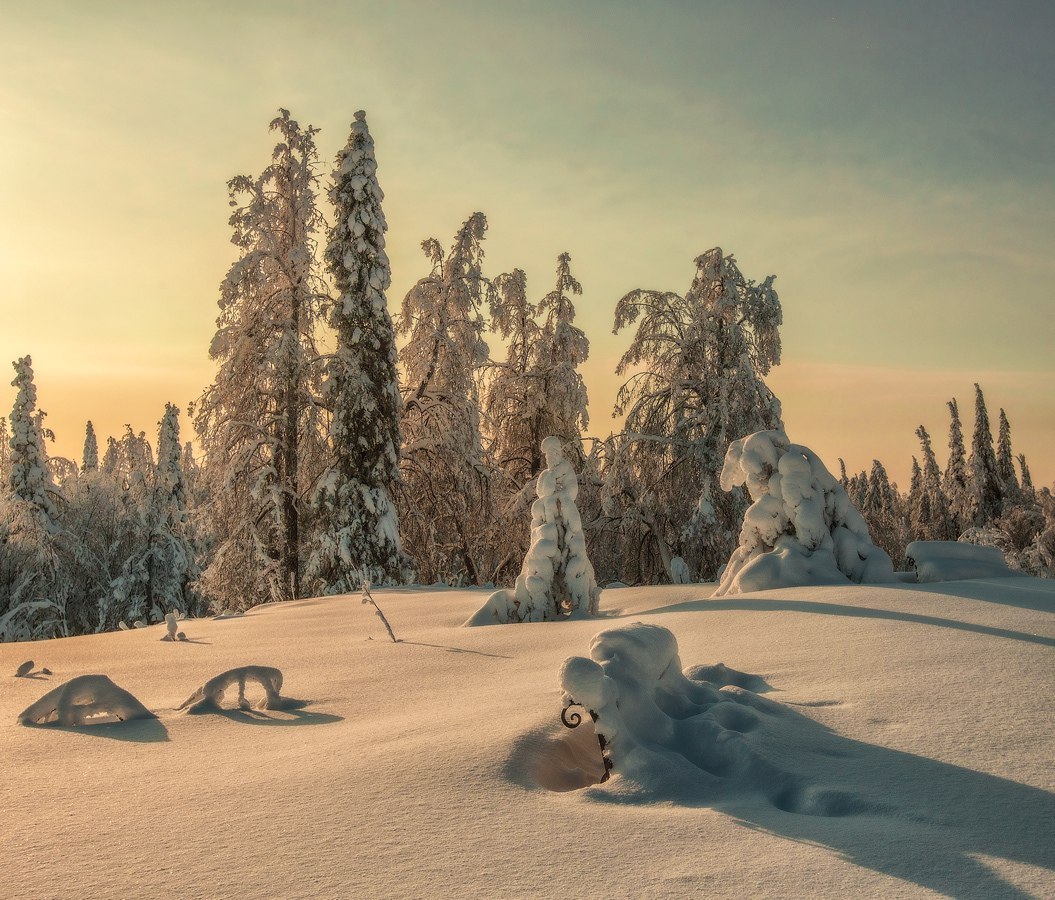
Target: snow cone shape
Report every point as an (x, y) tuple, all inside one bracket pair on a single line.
[(85, 700), (210, 695), (802, 528), (556, 579)]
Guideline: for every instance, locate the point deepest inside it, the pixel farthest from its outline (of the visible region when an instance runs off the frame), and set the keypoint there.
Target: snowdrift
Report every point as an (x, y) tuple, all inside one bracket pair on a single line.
[(936, 561), (874, 741)]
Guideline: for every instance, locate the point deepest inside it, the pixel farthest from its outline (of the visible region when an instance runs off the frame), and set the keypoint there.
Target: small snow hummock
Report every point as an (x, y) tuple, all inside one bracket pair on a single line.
[(85, 700), (955, 561), (659, 729), (802, 528), (170, 627), (557, 579), (210, 695), (23, 670), (679, 571)]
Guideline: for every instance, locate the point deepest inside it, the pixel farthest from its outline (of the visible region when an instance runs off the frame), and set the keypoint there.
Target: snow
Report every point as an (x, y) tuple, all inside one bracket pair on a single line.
[(82, 700), (955, 561), (556, 579), (901, 747), (802, 528)]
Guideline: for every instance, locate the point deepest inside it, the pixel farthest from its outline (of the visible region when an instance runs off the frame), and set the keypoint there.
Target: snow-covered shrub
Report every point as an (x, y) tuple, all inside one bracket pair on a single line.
[(210, 695), (652, 720), (679, 571), (556, 579), (85, 700), (955, 560), (170, 627), (801, 528)]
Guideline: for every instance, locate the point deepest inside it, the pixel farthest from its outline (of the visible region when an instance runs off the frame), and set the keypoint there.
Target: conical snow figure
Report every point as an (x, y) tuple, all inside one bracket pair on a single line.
[(802, 528), (556, 579)]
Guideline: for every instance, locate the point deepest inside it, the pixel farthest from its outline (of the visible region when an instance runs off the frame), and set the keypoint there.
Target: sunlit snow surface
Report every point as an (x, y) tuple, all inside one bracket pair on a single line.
[(881, 741)]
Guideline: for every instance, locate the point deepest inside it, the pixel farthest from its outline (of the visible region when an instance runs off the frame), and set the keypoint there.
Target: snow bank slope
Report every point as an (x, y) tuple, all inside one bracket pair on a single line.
[(914, 725)]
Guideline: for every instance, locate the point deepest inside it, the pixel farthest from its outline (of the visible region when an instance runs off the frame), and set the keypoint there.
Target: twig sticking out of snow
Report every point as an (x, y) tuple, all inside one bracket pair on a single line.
[(83, 699), (209, 696), (24, 669), (369, 598)]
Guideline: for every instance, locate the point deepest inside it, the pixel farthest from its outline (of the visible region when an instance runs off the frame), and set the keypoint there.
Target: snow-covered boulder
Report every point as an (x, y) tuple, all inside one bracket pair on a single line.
[(801, 528), (85, 700), (209, 697), (556, 579), (955, 561)]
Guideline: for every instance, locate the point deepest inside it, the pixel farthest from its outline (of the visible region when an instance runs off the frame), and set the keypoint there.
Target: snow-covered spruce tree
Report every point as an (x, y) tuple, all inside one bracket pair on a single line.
[(90, 454), (801, 528), (955, 483), (445, 501), (538, 391), (1028, 491), (1005, 464), (882, 511), (258, 421), (355, 534), (916, 503), (934, 521), (33, 591), (698, 364), (986, 491), (5, 453), (556, 579)]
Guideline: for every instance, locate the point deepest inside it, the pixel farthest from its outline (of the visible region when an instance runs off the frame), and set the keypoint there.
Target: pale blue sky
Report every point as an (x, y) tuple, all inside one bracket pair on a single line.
[(892, 163)]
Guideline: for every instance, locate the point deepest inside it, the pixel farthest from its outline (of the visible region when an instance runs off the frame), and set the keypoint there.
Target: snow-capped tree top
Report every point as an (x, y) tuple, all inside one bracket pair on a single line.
[(29, 478)]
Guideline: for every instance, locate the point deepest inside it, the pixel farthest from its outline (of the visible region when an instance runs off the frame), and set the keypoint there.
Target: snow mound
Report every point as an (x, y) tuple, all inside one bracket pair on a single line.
[(23, 670), (85, 700), (801, 528), (556, 579), (954, 561), (209, 697), (669, 737)]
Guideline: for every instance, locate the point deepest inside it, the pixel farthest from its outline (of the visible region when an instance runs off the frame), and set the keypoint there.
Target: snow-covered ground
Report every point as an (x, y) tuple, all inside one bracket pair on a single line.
[(900, 743)]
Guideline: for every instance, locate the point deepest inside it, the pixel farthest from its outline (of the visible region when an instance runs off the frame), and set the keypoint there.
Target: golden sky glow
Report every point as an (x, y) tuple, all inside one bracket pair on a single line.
[(899, 183)]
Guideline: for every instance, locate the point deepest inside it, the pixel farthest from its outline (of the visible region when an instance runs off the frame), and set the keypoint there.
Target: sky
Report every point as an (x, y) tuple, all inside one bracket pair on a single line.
[(892, 164)]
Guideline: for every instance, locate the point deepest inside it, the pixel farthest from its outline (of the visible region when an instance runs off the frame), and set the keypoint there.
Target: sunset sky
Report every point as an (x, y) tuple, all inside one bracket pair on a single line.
[(893, 164)]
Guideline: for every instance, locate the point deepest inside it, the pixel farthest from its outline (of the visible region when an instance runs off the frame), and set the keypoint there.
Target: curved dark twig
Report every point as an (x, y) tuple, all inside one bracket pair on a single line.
[(572, 721)]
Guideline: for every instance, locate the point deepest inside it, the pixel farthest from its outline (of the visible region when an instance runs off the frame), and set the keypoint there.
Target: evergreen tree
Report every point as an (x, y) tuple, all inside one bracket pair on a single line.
[(986, 494), (1027, 480), (934, 520), (445, 502), (5, 454), (955, 484), (258, 421), (356, 527), (1005, 462), (32, 590), (698, 361), (90, 455), (917, 502)]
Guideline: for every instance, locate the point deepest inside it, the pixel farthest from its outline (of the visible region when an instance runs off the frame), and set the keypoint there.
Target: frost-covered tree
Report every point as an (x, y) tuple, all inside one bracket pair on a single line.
[(1005, 463), (538, 390), (933, 521), (258, 421), (5, 454), (801, 528), (356, 526), (882, 511), (955, 483), (32, 589), (1028, 490), (556, 579), (696, 367), (986, 493), (90, 454), (445, 501)]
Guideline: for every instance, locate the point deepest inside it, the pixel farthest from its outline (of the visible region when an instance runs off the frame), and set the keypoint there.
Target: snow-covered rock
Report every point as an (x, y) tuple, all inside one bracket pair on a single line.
[(954, 561), (802, 528), (556, 579), (84, 700)]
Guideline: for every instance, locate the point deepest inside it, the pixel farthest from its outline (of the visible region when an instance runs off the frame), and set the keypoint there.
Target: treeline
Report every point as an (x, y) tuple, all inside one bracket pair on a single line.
[(986, 498), (416, 462)]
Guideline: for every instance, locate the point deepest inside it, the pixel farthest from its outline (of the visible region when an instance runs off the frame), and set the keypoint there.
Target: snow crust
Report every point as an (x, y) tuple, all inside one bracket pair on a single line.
[(801, 528), (556, 579), (936, 561)]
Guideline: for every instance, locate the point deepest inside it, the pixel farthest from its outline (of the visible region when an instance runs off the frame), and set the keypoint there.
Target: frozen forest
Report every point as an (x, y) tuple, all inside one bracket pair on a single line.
[(349, 440)]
